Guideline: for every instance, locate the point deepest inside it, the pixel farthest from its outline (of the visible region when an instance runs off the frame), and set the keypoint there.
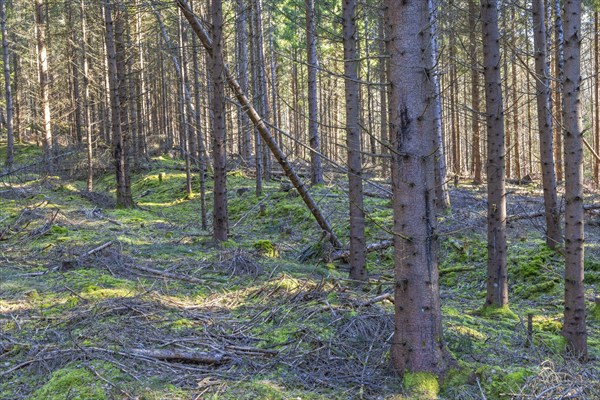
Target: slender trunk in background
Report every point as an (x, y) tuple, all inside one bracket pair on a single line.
[(385, 162), (369, 104), (263, 90), (185, 132), (358, 252), (475, 101), (441, 172), (47, 141), (454, 130), (574, 329), (242, 65), (217, 69), (597, 97), (72, 50), (552, 213), (16, 97), (10, 149), (313, 123), (559, 61), (202, 159), (515, 105), (497, 279), (86, 98), (529, 116), (257, 96), (118, 113), (417, 345)]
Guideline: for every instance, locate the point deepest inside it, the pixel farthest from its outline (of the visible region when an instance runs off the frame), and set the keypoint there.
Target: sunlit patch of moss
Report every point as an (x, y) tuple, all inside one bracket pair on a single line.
[(78, 383), (497, 312), (266, 248), (421, 385), (527, 263), (547, 324), (182, 323), (498, 383)]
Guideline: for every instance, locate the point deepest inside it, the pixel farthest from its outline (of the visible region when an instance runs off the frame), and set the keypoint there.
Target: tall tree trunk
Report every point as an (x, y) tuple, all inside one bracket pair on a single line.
[(497, 280), (355, 197), (242, 64), (86, 98), (544, 112), (313, 123), (475, 101), (515, 105), (597, 97), (418, 345), (217, 69), (385, 163), (202, 159), (118, 106), (441, 172), (559, 61), (574, 329), (10, 149), (47, 140)]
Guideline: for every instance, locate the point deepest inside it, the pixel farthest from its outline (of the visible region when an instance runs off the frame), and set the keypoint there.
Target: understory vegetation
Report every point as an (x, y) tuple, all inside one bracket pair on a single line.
[(90, 294)]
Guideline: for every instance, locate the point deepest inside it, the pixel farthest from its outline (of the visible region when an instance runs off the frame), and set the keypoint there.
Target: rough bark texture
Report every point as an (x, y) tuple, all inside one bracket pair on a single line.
[(441, 172), (497, 285), (574, 317), (559, 61), (124, 198), (47, 142), (313, 123), (418, 344), (597, 98), (262, 129), (217, 68), (7, 88), (355, 196), (86, 99), (544, 112), (475, 100)]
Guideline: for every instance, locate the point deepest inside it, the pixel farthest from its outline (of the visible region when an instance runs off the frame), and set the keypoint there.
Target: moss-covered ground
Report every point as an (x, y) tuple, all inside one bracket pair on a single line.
[(70, 323)]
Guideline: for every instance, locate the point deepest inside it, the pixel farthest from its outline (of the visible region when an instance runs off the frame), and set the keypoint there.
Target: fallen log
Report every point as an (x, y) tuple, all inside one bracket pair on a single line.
[(196, 357), (261, 127), (538, 214), (377, 299)]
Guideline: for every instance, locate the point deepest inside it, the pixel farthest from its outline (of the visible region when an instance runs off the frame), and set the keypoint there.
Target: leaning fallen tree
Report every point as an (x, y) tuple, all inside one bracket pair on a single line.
[(261, 127)]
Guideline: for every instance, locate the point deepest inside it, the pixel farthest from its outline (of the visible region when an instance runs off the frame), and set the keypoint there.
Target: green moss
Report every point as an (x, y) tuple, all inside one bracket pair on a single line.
[(60, 230), (595, 314), (76, 383), (497, 312), (266, 248), (528, 291), (421, 385)]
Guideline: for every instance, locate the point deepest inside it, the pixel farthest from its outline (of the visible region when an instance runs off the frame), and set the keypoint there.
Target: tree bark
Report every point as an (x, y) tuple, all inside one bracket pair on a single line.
[(418, 344), (219, 149), (475, 100), (544, 112), (574, 329), (313, 123), (497, 280), (10, 149), (355, 197), (118, 112), (559, 61), (47, 140), (86, 98)]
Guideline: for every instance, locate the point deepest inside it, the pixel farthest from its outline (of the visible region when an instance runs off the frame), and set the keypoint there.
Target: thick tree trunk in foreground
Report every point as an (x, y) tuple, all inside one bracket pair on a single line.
[(544, 112), (217, 69), (313, 123), (497, 280), (355, 196), (7, 88), (574, 329), (262, 129), (418, 345)]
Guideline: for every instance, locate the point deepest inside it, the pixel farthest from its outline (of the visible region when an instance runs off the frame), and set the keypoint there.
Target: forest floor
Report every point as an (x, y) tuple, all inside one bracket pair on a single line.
[(103, 303)]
